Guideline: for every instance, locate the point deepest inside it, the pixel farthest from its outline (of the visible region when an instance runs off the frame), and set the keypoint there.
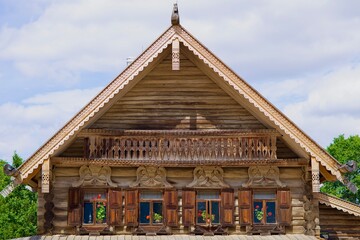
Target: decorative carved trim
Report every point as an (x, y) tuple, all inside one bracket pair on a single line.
[(97, 103), (213, 62), (268, 176), (181, 148), (178, 132), (176, 54), (94, 175), (309, 216), (315, 175), (45, 176), (338, 203), (76, 162), (259, 102), (151, 177), (208, 177)]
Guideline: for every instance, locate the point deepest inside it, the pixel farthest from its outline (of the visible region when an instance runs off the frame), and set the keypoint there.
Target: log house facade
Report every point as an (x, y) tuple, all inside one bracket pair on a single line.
[(179, 144)]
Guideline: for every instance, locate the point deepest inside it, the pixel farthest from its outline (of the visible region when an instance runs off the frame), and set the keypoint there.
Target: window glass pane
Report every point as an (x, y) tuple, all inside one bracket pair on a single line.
[(270, 212), (88, 212), (258, 211), (208, 195), (144, 212), (100, 212), (264, 196), (157, 210), (88, 196), (201, 212), (151, 195), (215, 212)]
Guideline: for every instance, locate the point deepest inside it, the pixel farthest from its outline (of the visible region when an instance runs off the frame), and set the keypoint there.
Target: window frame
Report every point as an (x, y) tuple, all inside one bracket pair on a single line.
[(105, 200), (208, 205), (264, 202), (151, 202)]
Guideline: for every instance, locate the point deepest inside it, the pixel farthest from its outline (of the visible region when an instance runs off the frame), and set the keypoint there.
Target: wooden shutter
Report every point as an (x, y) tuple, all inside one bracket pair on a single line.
[(115, 207), (284, 207), (171, 208), (74, 207), (227, 207), (188, 207), (245, 210), (131, 208)]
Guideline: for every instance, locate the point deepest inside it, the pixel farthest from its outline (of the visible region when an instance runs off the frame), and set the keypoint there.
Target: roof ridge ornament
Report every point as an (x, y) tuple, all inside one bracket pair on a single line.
[(175, 18)]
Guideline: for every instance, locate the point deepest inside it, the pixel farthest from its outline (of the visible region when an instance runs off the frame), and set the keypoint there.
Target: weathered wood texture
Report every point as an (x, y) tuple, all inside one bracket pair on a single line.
[(179, 177), (185, 99), (337, 223)]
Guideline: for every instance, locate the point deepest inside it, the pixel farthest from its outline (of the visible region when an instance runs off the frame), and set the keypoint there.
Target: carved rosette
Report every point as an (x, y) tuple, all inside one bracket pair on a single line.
[(151, 177), (208, 177), (264, 176), (94, 176)]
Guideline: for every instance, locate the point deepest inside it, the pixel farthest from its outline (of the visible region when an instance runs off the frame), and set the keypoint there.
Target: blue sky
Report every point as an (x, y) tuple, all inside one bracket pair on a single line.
[(302, 55)]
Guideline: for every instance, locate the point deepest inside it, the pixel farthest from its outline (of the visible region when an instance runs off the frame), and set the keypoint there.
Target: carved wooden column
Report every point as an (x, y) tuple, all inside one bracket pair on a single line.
[(176, 54), (315, 175), (45, 176), (315, 170)]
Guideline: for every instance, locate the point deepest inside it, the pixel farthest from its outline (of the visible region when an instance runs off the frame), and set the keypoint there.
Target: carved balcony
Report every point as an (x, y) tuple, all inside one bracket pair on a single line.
[(180, 145)]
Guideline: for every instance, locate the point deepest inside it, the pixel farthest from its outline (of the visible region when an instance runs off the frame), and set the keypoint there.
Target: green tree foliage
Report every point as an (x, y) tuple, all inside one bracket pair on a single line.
[(345, 149), (18, 215)]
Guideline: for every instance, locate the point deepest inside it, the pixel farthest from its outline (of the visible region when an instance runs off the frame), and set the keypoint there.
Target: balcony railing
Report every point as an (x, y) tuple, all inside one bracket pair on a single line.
[(181, 145)]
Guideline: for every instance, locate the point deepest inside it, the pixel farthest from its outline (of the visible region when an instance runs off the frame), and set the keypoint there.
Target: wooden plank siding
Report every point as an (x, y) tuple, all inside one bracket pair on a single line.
[(338, 224), (179, 177), (185, 99)]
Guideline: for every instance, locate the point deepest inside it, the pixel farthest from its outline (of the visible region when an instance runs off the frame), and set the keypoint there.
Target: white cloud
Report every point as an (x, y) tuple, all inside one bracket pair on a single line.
[(331, 107), (26, 126)]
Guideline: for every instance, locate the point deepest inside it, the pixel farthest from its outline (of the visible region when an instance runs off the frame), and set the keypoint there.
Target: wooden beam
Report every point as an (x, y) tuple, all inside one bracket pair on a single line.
[(315, 174), (77, 162), (176, 55), (45, 176), (327, 175)]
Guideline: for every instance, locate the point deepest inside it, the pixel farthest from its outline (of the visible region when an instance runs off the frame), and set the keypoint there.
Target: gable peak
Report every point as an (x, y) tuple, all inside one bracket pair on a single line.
[(175, 18)]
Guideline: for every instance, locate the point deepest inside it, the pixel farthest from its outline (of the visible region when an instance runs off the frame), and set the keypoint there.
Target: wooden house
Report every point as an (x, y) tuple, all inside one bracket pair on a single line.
[(179, 144)]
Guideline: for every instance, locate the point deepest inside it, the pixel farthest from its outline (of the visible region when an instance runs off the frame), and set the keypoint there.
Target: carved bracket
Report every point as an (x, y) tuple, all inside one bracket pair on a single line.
[(151, 177), (264, 176), (94, 176), (205, 177)]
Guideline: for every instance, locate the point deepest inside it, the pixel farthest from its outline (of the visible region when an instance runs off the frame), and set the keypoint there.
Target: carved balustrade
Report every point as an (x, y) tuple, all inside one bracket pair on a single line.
[(182, 145)]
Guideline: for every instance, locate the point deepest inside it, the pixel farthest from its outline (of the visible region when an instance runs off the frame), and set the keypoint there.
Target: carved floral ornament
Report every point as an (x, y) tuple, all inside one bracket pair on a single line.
[(208, 177), (94, 176), (150, 176), (264, 176)]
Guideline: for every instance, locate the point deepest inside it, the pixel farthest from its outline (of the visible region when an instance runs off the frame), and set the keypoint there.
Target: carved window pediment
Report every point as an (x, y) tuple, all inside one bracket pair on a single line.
[(94, 176), (208, 177), (264, 176), (151, 177)]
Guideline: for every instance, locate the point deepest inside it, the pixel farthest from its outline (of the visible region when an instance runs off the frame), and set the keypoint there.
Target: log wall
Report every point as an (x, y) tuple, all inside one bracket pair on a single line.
[(179, 178), (337, 224)]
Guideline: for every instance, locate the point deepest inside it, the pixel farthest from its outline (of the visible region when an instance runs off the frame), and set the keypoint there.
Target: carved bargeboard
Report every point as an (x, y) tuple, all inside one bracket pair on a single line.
[(94, 176), (208, 177), (151, 177), (264, 176)]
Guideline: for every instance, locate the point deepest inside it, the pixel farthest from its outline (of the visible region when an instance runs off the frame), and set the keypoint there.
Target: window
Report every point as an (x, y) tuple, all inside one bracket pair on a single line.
[(151, 208), (91, 207), (95, 207), (264, 206), (208, 207)]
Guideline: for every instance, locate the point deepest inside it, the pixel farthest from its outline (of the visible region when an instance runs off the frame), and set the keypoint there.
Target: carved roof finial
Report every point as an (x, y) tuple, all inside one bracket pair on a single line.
[(175, 18)]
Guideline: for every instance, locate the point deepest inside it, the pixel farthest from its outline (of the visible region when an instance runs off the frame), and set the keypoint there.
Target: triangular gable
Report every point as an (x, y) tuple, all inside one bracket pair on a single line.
[(140, 64)]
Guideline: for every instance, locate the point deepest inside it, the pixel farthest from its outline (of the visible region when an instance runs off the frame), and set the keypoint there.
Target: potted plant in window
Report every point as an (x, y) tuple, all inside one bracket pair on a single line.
[(100, 212), (205, 217), (259, 214), (157, 217)]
